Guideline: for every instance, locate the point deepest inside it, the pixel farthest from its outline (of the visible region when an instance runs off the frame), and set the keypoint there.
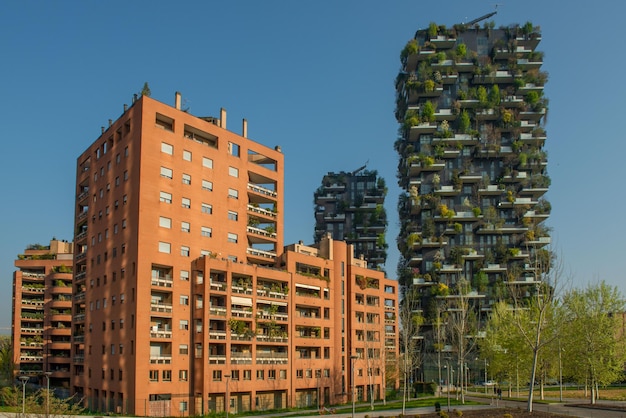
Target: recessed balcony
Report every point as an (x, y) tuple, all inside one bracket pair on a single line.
[(447, 191), (512, 101), (443, 41), (445, 114), (526, 64)]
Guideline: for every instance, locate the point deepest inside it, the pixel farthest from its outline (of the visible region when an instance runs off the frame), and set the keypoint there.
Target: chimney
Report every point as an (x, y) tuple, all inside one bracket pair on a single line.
[(125, 107), (223, 118), (110, 122), (177, 100), (102, 129), (244, 128)]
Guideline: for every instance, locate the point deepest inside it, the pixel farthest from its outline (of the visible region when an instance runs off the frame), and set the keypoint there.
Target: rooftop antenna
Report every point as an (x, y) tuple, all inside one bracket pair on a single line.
[(487, 16)]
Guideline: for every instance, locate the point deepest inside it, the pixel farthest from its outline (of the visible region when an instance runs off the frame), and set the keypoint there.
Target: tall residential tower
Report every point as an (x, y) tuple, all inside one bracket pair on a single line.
[(472, 165), (185, 299), (350, 207)]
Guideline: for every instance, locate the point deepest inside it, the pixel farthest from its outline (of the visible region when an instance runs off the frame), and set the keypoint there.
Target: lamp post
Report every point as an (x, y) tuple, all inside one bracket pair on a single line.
[(352, 360), (448, 382), (47, 374), (226, 401), (485, 376), (24, 380)]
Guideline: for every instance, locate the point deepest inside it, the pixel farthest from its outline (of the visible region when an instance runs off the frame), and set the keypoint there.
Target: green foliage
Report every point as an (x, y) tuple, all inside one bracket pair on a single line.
[(35, 402), (433, 29), (594, 340), (461, 50), (464, 122), (411, 118), (428, 111), (409, 49), (481, 95), (145, 91), (494, 96)]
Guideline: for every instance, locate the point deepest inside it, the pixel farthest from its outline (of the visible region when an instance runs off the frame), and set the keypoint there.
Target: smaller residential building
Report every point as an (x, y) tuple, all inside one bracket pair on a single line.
[(42, 297), (350, 207)]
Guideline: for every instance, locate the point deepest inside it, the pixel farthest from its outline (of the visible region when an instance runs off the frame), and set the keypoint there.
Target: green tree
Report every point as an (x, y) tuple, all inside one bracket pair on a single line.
[(145, 91), (593, 340), (409, 326), (537, 317)]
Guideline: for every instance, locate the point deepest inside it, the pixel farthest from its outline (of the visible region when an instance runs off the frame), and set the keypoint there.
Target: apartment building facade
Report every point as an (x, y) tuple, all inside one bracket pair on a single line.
[(165, 198), (350, 206), (41, 323), (472, 165)]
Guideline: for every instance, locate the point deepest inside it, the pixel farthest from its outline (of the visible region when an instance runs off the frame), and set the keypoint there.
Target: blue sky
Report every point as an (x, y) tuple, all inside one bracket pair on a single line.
[(316, 78)]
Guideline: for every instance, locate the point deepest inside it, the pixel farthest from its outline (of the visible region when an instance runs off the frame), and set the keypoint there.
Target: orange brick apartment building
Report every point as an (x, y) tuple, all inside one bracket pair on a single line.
[(42, 303), (183, 295)]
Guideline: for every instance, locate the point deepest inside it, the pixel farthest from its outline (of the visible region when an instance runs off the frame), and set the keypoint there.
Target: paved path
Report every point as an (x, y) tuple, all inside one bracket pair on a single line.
[(565, 408)]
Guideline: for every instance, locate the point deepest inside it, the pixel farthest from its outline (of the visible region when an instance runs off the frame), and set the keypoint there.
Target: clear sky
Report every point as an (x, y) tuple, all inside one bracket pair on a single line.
[(316, 78)]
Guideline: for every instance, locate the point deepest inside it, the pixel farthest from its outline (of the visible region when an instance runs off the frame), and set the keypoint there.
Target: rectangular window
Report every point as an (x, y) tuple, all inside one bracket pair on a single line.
[(165, 247), (232, 238), (232, 215), (167, 375), (207, 162), (260, 374), (233, 149), (164, 222), (271, 374), (186, 155), (233, 194), (184, 275), (186, 179), (186, 202), (183, 375), (206, 208), (166, 172), (234, 374), (247, 374), (217, 375), (166, 148), (198, 350), (165, 197), (184, 226), (233, 172), (206, 231), (184, 251), (184, 300), (184, 324), (207, 185), (183, 349), (154, 375)]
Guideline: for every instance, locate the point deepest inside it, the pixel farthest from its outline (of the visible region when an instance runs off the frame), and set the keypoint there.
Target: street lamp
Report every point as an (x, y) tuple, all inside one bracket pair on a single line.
[(448, 382), (226, 401), (486, 376), (47, 374), (352, 360), (24, 380)]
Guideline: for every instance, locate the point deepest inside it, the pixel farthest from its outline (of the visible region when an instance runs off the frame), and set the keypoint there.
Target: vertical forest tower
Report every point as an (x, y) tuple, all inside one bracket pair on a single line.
[(472, 166)]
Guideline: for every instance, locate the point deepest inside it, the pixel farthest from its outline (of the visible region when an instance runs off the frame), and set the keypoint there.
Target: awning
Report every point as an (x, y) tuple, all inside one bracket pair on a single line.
[(236, 300), (271, 302), (306, 286)]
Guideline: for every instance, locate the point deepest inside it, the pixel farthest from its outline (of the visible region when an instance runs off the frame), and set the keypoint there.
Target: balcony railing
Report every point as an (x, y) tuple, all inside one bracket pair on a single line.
[(161, 307), (261, 211), (160, 333), (160, 359), (217, 310), (162, 281), (262, 190)]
